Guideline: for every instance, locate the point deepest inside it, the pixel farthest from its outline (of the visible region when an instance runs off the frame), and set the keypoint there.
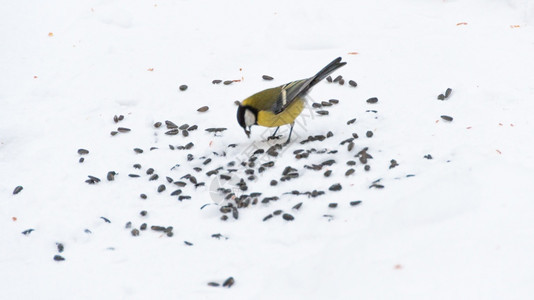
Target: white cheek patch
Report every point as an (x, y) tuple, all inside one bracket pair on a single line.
[(250, 119)]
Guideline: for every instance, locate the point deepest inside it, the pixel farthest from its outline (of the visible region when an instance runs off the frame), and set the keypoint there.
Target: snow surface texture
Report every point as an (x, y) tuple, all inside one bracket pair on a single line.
[(457, 226)]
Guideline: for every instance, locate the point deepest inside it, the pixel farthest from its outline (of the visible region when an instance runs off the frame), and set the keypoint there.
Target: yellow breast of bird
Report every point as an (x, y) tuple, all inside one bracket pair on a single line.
[(269, 119)]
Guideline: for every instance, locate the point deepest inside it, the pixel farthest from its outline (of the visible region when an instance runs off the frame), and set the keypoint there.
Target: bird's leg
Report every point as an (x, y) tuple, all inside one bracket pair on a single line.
[(272, 137), (290, 131)]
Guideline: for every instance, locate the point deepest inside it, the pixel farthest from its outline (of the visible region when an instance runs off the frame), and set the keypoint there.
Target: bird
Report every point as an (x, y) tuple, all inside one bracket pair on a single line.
[(280, 105)]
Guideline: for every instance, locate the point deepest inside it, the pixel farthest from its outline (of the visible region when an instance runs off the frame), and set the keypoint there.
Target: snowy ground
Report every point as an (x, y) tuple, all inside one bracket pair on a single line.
[(457, 226)]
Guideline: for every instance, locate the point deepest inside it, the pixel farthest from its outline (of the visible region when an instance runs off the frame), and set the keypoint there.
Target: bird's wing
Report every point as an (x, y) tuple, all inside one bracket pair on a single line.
[(288, 93)]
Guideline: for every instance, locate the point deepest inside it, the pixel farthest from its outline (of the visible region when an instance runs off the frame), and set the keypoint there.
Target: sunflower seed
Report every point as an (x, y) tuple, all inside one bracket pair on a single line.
[(137, 166), (143, 213), (157, 124), (393, 164), (428, 156), (332, 205), (297, 206), (135, 232), (277, 212), (161, 188), (267, 77), (235, 213), (58, 257), (446, 118), (369, 134), (143, 196), (172, 132), (328, 162), (116, 119), (17, 189), (203, 109), (111, 175), (329, 78), (367, 167), (216, 81), (354, 203), (324, 103), (123, 129), (288, 217), (338, 78), (83, 151), (329, 134), (183, 87), (448, 92), (350, 146), (349, 172), (215, 130), (372, 100), (322, 112), (214, 284), (105, 219), (228, 82), (229, 282), (316, 105), (327, 173), (154, 177), (376, 185), (351, 121), (273, 182), (341, 81), (176, 193), (28, 231), (113, 133), (224, 217), (335, 187), (353, 83), (60, 247), (170, 125), (150, 171), (207, 161), (143, 226), (441, 97), (138, 150), (192, 128)]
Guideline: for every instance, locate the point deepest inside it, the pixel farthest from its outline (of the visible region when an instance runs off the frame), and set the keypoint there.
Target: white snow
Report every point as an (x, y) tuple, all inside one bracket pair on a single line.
[(461, 228)]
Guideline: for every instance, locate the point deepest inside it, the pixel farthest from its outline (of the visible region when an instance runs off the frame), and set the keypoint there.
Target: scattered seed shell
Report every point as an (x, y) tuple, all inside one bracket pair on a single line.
[(203, 109)]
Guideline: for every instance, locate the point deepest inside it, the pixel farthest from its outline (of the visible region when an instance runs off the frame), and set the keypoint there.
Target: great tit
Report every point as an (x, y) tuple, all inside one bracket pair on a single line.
[(281, 105)]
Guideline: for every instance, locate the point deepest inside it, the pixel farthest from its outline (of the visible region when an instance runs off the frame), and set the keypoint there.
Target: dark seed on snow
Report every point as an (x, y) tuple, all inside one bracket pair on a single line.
[(216, 81), (28, 231), (169, 179), (341, 81), (183, 87), (123, 129), (441, 97), (113, 133), (116, 119), (448, 93), (192, 128), (143, 196), (267, 77), (170, 125), (188, 243), (324, 103), (350, 146), (207, 161), (446, 118), (133, 175), (158, 228), (143, 213), (267, 217), (228, 82), (135, 232), (235, 213), (428, 156), (83, 151), (351, 121), (180, 183), (351, 163), (338, 78), (214, 284), (322, 112), (176, 193), (274, 182), (143, 226), (367, 167), (17, 190), (128, 225), (157, 124), (224, 217), (81, 160), (105, 219), (353, 83), (203, 109), (316, 105), (349, 172), (185, 133), (137, 166), (332, 205), (229, 282), (329, 134), (58, 258), (377, 186), (354, 203), (335, 187), (297, 206), (172, 132), (150, 171), (138, 150), (184, 197), (369, 134), (393, 164), (60, 247), (329, 78), (288, 217), (161, 188), (328, 162), (327, 173), (277, 212)]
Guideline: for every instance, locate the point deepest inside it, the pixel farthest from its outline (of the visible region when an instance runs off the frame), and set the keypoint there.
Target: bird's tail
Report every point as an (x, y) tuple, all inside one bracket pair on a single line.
[(331, 67)]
